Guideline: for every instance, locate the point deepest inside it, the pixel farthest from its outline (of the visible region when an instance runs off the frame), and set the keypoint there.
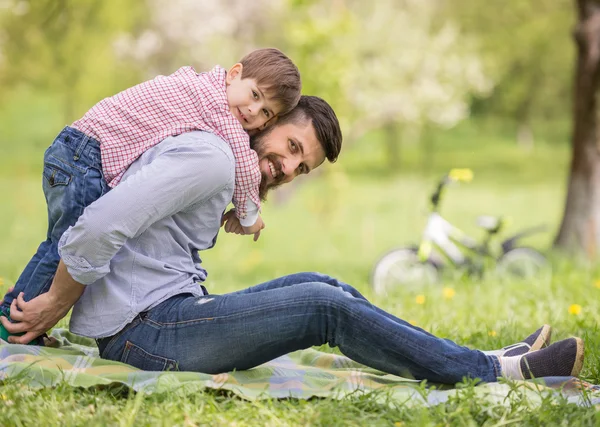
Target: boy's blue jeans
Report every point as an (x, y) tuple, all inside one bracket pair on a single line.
[(220, 333), (72, 179)]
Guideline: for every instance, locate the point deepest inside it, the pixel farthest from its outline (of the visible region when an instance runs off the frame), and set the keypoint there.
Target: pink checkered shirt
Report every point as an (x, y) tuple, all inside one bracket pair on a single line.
[(140, 117)]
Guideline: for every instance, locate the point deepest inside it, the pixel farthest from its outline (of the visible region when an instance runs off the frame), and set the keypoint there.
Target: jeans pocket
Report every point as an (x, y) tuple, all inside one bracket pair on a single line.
[(141, 359), (54, 175)]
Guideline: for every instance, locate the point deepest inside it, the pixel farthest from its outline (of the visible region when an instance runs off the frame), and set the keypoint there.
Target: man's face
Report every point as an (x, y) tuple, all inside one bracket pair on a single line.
[(248, 102), (286, 151)]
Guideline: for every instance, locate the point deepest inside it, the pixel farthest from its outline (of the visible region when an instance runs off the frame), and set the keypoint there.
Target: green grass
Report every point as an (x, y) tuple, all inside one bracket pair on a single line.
[(340, 224)]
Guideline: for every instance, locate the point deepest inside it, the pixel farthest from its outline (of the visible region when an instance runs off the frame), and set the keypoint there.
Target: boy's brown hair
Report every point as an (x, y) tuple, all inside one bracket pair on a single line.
[(276, 74)]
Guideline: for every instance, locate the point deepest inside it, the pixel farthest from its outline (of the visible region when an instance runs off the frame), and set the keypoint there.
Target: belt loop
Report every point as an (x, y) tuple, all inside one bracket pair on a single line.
[(81, 147)]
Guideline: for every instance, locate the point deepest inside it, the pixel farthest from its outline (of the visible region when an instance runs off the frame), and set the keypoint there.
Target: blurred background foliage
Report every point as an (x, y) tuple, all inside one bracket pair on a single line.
[(401, 66), (420, 86)]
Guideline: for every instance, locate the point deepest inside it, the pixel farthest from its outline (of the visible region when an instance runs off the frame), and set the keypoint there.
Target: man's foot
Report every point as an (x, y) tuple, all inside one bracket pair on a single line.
[(536, 341), (539, 339), (561, 359)]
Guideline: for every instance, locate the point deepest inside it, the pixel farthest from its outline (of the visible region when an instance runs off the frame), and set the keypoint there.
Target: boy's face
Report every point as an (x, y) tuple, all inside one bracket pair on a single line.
[(247, 102)]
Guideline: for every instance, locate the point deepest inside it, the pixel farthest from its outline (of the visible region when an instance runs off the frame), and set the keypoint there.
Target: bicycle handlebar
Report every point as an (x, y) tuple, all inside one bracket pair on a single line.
[(455, 175)]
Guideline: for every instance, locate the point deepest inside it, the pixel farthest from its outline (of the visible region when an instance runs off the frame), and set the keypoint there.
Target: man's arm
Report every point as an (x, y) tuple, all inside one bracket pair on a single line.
[(184, 174), (42, 313)]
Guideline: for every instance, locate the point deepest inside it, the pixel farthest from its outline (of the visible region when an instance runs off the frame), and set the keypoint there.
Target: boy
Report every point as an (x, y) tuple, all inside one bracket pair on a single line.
[(93, 154)]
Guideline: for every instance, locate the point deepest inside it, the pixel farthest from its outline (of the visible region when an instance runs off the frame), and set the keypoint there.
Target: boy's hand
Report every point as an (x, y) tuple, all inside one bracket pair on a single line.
[(232, 223), (255, 228)]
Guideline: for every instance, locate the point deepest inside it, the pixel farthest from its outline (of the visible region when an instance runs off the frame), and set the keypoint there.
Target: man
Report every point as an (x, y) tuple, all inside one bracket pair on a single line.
[(135, 253)]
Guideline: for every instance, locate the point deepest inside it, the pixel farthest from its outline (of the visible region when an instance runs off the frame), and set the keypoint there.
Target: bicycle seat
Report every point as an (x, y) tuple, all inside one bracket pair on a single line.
[(489, 223)]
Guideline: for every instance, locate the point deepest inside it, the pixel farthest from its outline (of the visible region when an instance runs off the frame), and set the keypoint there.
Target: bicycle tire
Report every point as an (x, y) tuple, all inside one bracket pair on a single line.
[(402, 267), (524, 263)]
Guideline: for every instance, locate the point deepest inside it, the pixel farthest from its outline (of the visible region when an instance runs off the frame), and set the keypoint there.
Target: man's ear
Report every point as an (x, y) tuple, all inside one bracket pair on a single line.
[(234, 72)]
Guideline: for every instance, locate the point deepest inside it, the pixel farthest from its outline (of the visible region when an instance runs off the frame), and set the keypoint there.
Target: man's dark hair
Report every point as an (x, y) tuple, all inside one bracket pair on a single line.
[(324, 121)]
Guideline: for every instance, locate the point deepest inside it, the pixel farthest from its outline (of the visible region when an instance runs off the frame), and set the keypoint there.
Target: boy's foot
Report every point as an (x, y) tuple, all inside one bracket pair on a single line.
[(561, 359), (536, 341), (4, 334)]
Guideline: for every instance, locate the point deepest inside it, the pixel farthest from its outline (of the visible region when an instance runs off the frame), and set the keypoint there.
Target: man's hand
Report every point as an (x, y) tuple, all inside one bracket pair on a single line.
[(44, 311), (37, 316), (232, 225)]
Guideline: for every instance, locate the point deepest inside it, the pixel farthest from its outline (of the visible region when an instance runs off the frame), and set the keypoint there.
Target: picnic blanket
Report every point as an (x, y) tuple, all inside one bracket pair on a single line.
[(302, 374)]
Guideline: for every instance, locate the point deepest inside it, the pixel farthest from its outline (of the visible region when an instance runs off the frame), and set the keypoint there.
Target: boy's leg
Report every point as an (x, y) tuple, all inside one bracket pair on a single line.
[(241, 330), (72, 179)]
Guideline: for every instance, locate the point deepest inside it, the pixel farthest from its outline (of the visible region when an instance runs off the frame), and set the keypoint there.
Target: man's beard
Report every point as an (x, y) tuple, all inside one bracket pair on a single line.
[(258, 144)]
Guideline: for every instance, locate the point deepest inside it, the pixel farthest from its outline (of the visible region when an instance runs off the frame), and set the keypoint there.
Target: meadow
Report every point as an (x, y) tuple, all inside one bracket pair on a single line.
[(339, 224)]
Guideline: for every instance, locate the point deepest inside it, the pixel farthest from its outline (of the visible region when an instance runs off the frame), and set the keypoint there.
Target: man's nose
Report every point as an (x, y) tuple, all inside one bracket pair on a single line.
[(290, 166)]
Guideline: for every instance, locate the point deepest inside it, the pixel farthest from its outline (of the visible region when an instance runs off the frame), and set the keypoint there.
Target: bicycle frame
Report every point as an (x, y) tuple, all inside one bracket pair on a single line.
[(447, 238), (444, 236)]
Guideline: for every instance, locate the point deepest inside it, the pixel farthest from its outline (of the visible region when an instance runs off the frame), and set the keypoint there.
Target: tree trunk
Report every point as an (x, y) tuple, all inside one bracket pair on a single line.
[(580, 229)]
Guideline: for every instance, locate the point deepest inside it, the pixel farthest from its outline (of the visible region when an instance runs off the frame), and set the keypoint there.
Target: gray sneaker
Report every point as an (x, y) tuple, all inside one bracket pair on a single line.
[(536, 341), (561, 359)]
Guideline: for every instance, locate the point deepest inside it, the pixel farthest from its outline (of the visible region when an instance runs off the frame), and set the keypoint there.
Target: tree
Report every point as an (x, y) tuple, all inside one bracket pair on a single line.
[(380, 65), (527, 53), (580, 228), (64, 47)]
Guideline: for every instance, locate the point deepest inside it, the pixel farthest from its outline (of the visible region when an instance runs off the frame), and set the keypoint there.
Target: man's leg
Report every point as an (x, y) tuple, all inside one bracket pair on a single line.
[(537, 340), (241, 330)]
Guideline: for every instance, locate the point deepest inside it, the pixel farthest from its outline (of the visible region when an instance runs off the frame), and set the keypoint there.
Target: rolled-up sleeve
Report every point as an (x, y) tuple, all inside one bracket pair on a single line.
[(174, 180)]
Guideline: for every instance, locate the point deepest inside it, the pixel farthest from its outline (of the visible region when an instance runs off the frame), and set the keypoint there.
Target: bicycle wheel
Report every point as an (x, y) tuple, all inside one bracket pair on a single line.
[(402, 267), (524, 263)]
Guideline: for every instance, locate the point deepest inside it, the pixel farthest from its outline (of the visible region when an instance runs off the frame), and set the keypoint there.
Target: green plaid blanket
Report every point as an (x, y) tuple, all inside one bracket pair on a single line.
[(302, 374)]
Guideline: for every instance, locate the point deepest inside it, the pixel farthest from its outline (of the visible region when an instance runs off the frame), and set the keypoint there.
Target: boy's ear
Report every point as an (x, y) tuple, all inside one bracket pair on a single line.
[(234, 72)]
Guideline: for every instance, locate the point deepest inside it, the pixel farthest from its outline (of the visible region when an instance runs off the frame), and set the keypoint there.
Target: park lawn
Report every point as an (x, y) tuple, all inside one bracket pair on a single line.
[(340, 225)]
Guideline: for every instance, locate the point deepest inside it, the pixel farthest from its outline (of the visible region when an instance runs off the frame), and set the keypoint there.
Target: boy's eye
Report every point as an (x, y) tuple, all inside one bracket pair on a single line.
[(292, 145), (266, 112), (255, 94), (302, 168)]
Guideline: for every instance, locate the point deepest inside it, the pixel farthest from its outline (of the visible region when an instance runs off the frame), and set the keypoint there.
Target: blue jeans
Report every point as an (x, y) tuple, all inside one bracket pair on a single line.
[(72, 179), (240, 330)]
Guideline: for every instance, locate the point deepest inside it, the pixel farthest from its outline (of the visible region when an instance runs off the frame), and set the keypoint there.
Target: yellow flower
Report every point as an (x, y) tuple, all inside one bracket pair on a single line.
[(574, 309), (413, 322), (398, 424), (448, 293), (1, 281), (464, 175), (420, 299), (597, 283), (492, 333)]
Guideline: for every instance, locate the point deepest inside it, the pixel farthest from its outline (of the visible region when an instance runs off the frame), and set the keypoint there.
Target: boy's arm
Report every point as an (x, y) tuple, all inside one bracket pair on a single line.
[(247, 172)]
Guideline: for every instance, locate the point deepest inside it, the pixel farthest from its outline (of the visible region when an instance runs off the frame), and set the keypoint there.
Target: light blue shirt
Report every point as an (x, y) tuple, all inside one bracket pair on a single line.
[(138, 244)]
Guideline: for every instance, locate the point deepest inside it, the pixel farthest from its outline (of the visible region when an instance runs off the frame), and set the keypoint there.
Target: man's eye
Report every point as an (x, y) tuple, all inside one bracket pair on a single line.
[(254, 94), (266, 112)]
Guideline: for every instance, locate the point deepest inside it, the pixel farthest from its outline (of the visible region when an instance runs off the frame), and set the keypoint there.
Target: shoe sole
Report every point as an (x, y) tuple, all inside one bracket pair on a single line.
[(543, 339), (578, 365)]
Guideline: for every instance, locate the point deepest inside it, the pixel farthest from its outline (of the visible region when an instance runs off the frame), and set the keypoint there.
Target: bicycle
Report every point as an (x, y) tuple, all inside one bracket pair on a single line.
[(444, 246)]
